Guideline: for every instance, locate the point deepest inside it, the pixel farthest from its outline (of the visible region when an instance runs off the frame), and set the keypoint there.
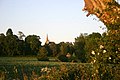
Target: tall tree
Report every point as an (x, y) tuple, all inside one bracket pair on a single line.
[(2, 39), (53, 48), (79, 46), (47, 46), (21, 35), (34, 43), (11, 45), (9, 32), (91, 45), (64, 48), (42, 54), (23, 48)]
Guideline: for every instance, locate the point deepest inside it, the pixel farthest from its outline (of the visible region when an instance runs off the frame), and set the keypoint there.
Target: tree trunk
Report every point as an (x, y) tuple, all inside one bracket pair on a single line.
[(108, 11)]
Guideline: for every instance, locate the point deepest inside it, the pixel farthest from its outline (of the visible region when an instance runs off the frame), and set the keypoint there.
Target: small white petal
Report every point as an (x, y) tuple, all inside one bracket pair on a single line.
[(109, 57), (93, 52), (101, 46), (116, 51), (104, 51), (98, 53)]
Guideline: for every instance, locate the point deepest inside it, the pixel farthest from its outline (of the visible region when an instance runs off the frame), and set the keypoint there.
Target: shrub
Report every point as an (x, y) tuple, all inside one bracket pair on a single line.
[(42, 55), (63, 58)]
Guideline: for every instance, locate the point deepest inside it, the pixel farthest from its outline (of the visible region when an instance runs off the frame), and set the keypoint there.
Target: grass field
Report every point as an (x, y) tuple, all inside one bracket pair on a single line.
[(26, 68), (29, 68), (31, 60)]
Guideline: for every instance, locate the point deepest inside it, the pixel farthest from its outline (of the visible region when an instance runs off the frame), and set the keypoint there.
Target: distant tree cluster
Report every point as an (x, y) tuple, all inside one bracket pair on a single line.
[(84, 49), (78, 51), (12, 45)]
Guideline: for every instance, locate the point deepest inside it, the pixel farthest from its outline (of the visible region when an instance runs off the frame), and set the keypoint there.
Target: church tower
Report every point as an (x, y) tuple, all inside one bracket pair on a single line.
[(47, 40)]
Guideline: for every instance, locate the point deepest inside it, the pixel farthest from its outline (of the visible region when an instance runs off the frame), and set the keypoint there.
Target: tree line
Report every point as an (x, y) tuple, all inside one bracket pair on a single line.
[(81, 50)]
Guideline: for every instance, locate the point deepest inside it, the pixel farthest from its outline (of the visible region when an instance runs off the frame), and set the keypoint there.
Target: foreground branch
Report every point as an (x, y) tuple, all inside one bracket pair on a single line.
[(108, 11)]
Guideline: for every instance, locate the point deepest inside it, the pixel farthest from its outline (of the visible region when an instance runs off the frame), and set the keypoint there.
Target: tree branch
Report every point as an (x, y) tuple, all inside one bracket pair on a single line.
[(108, 11)]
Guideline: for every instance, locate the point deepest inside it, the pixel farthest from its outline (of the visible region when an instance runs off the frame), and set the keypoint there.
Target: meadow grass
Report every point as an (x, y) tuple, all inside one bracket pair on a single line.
[(29, 68), (32, 61), (25, 68)]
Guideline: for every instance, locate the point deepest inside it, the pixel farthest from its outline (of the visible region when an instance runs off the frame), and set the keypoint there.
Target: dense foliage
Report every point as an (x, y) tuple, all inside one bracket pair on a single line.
[(84, 49), (108, 11), (108, 50), (12, 45), (36, 70), (42, 55)]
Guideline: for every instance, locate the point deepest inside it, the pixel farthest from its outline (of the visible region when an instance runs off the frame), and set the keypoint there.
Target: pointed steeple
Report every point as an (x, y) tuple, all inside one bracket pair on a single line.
[(47, 40)]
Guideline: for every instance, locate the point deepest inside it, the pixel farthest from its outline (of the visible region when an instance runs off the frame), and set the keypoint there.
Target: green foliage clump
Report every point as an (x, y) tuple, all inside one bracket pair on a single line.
[(79, 46), (33, 42), (63, 58), (12, 45), (42, 55)]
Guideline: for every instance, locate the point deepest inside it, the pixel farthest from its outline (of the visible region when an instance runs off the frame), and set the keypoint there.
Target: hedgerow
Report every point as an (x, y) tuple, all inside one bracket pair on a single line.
[(61, 71)]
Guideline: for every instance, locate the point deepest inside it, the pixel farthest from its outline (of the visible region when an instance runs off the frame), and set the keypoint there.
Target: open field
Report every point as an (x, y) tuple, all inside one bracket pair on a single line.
[(30, 61), (28, 68), (18, 59)]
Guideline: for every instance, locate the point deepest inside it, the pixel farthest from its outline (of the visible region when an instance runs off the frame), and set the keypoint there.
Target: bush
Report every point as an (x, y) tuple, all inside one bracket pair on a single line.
[(42, 55), (63, 58), (59, 71)]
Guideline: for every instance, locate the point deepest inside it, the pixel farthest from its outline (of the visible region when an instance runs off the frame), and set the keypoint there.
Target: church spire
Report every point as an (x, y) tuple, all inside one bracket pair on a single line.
[(47, 40)]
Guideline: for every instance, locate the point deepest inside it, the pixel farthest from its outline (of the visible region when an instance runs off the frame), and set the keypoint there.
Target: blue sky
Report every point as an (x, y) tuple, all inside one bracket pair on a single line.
[(62, 20)]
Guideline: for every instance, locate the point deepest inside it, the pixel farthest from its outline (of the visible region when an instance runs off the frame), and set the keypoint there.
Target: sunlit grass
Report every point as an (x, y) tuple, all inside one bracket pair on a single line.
[(29, 68)]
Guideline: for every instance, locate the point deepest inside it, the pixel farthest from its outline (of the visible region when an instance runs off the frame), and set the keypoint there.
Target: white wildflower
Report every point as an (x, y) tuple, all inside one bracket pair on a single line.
[(98, 53), (92, 75), (109, 57), (107, 33), (97, 71), (16, 70), (104, 51), (118, 17), (101, 46), (45, 69), (91, 62), (42, 70), (94, 61), (93, 52), (116, 51)]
